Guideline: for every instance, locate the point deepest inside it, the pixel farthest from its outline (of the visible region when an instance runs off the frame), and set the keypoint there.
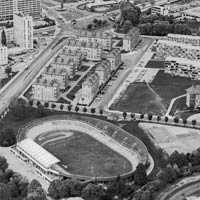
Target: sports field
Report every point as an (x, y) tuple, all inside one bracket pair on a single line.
[(83, 155)]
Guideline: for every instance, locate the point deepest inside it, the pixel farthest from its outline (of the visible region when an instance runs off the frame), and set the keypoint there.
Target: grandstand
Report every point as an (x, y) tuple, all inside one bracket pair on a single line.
[(117, 139)]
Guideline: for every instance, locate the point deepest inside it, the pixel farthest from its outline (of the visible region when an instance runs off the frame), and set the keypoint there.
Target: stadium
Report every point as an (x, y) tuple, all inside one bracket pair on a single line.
[(82, 148)]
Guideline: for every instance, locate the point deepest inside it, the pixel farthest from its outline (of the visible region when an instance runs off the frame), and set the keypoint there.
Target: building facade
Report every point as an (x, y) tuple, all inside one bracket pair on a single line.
[(3, 55), (91, 51), (46, 90), (67, 64), (165, 48), (6, 10), (114, 57), (193, 96), (104, 39), (60, 76), (183, 67), (28, 7), (184, 39), (131, 39), (103, 70), (89, 89), (162, 10), (74, 55), (23, 31)]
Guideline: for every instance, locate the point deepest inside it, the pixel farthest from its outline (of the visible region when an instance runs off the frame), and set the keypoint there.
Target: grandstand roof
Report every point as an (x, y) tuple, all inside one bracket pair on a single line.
[(38, 153)]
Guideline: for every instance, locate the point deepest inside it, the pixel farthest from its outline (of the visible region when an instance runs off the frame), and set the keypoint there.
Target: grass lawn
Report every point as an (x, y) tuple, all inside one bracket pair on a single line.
[(138, 98), (168, 87), (158, 64), (48, 3), (81, 152), (179, 105), (71, 15)]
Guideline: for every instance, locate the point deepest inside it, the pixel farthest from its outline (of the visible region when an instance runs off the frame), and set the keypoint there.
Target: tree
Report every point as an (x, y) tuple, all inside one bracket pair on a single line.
[(140, 176), (132, 116), (184, 121), (3, 164), (127, 26), (168, 175), (176, 120), (3, 38), (95, 21), (69, 107), (89, 26), (141, 116), (150, 116), (38, 194), (166, 119), (7, 137), (30, 102), (76, 109), (53, 189), (158, 118), (46, 104), (40, 111), (61, 107), (34, 184), (93, 110), (124, 115), (84, 110), (100, 111), (178, 158), (38, 103), (194, 122), (8, 70), (53, 106), (4, 192)]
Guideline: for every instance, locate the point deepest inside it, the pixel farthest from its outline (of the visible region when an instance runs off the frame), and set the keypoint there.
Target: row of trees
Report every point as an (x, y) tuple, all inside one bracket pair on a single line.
[(97, 23), (14, 185), (179, 165), (150, 117), (71, 188)]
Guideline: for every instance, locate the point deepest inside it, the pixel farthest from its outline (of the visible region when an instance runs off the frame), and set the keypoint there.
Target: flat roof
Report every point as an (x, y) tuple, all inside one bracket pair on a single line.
[(37, 152)]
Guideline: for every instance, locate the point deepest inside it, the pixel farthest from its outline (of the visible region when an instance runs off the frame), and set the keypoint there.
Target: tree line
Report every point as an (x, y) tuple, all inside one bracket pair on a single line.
[(15, 186)]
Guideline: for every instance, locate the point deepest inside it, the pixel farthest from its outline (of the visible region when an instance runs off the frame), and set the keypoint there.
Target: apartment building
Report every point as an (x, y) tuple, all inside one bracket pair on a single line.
[(165, 48), (161, 10), (114, 57), (23, 30), (60, 76), (184, 39), (193, 96), (91, 51), (3, 55), (28, 7), (68, 64), (6, 10), (131, 39), (46, 90), (74, 55), (183, 67), (103, 70), (102, 38), (89, 89)]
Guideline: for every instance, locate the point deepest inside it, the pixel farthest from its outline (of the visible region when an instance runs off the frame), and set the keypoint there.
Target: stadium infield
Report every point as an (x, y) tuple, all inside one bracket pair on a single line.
[(83, 155)]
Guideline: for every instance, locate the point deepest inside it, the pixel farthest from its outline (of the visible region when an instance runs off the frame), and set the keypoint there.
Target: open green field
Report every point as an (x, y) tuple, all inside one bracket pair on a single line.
[(168, 87), (139, 98), (81, 153)]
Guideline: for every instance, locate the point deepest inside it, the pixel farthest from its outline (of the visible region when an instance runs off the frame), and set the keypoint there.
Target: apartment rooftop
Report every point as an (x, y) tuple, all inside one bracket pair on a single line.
[(102, 66), (45, 82), (52, 70), (93, 34), (62, 59), (195, 89), (114, 52), (174, 43), (91, 80), (71, 52), (79, 43)]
